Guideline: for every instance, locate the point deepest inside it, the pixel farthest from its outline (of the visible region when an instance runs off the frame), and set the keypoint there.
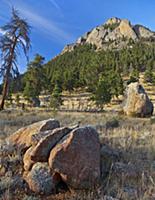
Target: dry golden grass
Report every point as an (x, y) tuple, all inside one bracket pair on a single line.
[(134, 138)]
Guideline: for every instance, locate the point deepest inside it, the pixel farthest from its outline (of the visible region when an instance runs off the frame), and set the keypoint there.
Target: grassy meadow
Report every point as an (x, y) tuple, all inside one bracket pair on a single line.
[(131, 140)]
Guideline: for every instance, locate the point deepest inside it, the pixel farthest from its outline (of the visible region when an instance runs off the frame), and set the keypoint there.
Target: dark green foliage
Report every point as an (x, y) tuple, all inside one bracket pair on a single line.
[(102, 94), (56, 98), (134, 76), (83, 66), (116, 83), (17, 99), (17, 84), (34, 78), (149, 75)]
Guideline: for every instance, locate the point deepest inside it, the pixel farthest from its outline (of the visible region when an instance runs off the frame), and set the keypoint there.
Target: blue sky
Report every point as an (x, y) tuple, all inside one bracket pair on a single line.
[(56, 23)]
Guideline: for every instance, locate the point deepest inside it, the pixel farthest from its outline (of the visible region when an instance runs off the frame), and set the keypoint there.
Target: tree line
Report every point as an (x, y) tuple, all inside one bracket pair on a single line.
[(98, 72)]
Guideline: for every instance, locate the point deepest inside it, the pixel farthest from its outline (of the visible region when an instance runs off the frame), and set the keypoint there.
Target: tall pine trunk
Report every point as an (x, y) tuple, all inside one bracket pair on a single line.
[(4, 92)]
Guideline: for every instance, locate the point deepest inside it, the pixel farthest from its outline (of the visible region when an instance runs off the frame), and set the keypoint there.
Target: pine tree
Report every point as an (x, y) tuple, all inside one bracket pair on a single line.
[(102, 93), (134, 76), (149, 76), (17, 99), (34, 78), (56, 98), (116, 83)]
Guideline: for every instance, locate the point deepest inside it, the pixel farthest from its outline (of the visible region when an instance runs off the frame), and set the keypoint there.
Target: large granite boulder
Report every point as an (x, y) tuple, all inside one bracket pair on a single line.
[(24, 137), (77, 158), (137, 102)]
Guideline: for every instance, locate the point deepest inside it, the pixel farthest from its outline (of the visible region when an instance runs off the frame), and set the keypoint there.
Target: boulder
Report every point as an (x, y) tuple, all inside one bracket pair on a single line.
[(28, 163), (41, 151), (77, 158), (137, 102), (23, 138), (40, 179)]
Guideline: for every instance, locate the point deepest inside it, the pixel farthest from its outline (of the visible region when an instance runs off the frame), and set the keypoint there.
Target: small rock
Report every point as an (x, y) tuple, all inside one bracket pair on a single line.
[(113, 123), (109, 198), (40, 179), (130, 192), (31, 198), (2, 170)]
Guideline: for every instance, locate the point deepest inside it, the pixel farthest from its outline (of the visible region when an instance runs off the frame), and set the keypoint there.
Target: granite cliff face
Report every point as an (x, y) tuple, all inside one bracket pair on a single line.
[(114, 33)]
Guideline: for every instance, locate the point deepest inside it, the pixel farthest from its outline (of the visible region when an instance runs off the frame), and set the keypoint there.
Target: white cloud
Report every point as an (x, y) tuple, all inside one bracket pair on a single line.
[(42, 24), (45, 25), (55, 4)]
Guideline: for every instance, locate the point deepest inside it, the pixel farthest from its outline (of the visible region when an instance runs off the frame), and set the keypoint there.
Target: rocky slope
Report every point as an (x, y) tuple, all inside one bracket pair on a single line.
[(115, 33)]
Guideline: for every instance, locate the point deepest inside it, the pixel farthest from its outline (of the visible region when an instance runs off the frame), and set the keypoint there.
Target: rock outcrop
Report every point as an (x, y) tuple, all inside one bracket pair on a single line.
[(126, 30), (137, 102), (143, 32), (113, 20), (115, 33), (54, 155)]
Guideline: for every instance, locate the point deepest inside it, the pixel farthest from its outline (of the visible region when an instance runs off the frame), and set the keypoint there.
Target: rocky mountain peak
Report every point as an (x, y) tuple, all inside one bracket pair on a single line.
[(126, 29), (114, 33), (113, 20), (143, 32)]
